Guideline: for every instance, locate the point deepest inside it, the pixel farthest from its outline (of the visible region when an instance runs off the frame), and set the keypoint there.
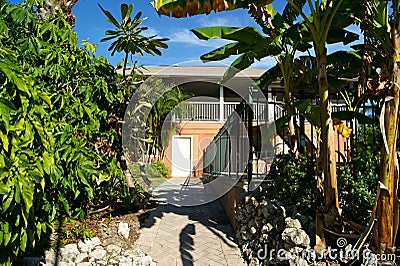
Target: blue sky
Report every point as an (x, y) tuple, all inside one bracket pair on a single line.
[(184, 46)]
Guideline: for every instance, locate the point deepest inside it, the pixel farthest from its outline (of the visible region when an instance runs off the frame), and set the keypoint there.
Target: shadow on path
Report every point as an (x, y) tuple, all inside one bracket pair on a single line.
[(188, 235)]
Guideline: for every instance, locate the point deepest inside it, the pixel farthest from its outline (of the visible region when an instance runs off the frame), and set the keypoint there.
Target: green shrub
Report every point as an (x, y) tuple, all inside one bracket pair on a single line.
[(357, 181), (58, 137), (162, 169), (294, 181), (357, 189)]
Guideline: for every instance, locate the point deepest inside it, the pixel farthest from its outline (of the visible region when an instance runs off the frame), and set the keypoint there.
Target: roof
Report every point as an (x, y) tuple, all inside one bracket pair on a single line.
[(209, 72)]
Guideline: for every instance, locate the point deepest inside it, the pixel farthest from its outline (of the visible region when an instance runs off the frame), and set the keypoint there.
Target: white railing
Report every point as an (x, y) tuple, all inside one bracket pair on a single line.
[(210, 111), (197, 111)]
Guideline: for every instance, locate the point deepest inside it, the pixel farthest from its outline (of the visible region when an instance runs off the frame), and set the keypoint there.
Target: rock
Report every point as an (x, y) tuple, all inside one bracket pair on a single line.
[(62, 263), (88, 244), (69, 253), (123, 230), (123, 259), (50, 256), (132, 253), (247, 199), (295, 237), (146, 260), (82, 257), (253, 230), (125, 264), (246, 235), (98, 254), (113, 250), (298, 261), (266, 228), (292, 223), (84, 264)]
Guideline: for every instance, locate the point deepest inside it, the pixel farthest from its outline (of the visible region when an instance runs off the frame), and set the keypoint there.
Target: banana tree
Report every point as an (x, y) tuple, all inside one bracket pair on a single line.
[(319, 24), (381, 25), (182, 8), (283, 40)]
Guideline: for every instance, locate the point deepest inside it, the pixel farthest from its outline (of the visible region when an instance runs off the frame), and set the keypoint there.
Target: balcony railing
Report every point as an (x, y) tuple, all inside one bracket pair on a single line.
[(211, 111)]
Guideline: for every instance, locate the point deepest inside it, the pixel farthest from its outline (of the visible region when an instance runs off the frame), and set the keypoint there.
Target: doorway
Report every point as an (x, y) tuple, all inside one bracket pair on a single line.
[(181, 156)]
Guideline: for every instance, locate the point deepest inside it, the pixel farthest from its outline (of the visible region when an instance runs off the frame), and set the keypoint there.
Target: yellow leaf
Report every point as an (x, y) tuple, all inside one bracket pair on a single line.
[(343, 130), (4, 140)]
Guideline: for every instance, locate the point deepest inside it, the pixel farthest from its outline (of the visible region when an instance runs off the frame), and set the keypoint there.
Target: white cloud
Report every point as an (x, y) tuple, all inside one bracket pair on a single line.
[(187, 37), (216, 21), (151, 32), (230, 19)]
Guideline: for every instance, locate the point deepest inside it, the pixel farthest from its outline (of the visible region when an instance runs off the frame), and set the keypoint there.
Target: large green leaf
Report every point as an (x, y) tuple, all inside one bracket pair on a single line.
[(242, 62), (110, 16), (311, 112), (182, 8), (268, 77), (226, 51), (336, 35), (350, 115), (344, 64), (247, 34)]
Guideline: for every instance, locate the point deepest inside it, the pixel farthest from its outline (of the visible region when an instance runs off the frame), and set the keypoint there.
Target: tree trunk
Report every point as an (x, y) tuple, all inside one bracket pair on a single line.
[(328, 155), (49, 9), (285, 66), (387, 209), (292, 130), (327, 137)]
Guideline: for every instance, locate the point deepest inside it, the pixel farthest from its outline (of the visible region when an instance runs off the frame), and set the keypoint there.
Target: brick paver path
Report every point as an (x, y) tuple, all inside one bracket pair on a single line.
[(188, 235)]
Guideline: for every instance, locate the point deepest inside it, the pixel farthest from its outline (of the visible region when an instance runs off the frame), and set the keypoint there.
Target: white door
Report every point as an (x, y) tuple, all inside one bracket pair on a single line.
[(181, 156)]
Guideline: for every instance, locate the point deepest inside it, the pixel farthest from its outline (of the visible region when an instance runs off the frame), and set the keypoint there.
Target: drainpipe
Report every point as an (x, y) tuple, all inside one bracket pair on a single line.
[(221, 103)]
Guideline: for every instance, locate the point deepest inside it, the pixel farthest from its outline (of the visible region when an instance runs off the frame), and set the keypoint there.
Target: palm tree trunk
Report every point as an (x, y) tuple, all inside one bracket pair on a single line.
[(387, 209)]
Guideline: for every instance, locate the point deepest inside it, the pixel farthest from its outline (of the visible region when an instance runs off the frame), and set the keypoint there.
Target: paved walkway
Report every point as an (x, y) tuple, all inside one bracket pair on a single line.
[(188, 235)]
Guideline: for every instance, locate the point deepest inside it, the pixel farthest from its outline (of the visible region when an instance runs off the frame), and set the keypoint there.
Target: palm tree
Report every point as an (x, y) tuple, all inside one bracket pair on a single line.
[(129, 36)]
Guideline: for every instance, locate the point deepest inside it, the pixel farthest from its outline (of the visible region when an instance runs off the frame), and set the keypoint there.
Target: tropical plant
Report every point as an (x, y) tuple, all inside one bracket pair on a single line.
[(129, 37), (48, 8), (357, 179), (59, 142), (162, 169), (160, 120), (381, 25), (294, 182), (325, 17), (182, 8)]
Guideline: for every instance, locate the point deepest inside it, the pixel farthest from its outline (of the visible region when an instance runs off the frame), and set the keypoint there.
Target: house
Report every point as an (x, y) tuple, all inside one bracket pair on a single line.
[(207, 111), (214, 102)]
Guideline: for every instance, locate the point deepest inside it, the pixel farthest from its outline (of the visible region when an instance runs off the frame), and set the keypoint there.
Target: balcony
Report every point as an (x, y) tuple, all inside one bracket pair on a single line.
[(219, 112)]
